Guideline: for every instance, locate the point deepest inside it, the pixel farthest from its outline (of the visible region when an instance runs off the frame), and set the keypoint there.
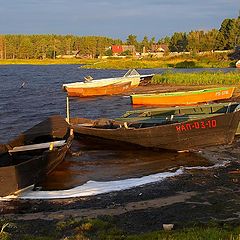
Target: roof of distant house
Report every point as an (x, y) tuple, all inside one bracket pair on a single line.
[(117, 49)]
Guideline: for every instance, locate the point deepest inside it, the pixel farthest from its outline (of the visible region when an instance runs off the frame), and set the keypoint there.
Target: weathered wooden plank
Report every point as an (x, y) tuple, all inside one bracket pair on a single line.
[(37, 146)]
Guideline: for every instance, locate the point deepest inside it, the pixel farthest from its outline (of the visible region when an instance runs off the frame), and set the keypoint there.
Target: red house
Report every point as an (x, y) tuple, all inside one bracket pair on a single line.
[(117, 49)]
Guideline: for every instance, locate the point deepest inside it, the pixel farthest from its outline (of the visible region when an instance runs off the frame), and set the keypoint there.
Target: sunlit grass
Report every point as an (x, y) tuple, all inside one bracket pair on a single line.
[(203, 78), (185, 61), (46, 61), (106, 229), (212, 233)]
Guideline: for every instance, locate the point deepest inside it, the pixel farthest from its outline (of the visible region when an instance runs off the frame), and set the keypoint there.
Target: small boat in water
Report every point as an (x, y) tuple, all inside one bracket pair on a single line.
[(110, 89), (168, 134), (183, 98), (106, 86), (144, 78), (35, 153), (179, 113)]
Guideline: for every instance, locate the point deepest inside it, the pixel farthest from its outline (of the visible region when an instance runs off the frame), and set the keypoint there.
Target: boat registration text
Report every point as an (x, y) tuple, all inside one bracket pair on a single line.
[(196, 125)]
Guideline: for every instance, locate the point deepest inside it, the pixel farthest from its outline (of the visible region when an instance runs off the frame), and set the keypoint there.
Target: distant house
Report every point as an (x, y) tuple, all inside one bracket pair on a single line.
[(159, 48), (74, 54), (119, 49), (156, 50), (70, 54), (116, 49), (130, 48)]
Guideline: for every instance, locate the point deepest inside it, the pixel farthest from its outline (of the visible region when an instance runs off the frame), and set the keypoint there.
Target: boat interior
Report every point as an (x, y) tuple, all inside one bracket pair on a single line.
[(23, 149), (156, 117), (48, 134)]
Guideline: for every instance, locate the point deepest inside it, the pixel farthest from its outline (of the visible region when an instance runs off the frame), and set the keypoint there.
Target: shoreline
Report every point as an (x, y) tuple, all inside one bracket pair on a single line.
[(194, 198), (121, 64)]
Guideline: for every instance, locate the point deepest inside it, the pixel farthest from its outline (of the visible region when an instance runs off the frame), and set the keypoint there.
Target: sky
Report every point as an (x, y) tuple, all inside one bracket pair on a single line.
[(116, 19)]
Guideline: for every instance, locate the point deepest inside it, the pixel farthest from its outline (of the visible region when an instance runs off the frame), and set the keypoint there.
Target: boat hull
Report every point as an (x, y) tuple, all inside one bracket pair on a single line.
[(178, 114), (111, 89), (187, 135), (21, 169), (31, 172), (135, 80), (183, 98)]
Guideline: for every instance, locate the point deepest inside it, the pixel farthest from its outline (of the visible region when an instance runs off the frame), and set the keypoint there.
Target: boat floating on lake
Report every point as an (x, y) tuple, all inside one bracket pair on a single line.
[(168, 134), (35, 153), (179, 113), (183, 98), (110, 89), (106, 86)]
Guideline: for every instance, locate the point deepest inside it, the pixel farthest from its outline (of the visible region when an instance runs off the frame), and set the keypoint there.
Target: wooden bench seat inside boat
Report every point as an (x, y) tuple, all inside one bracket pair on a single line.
[(37, 146)]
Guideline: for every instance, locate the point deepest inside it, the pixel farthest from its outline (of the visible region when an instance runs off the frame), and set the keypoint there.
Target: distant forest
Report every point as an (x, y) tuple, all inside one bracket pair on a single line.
[(49, 46)]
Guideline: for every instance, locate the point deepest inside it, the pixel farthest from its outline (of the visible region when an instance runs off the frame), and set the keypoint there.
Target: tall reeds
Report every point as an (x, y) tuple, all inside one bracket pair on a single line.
[(203, 78)]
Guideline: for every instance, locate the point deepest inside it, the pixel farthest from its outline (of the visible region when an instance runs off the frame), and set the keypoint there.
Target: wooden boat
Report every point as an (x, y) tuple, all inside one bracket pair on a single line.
[(130, 76), (144, 78), (180, 110), (186, 135), (98, 85), (111, 89), (26, 160), (238, 64), (135, 80), (179, 114), (183, 98)]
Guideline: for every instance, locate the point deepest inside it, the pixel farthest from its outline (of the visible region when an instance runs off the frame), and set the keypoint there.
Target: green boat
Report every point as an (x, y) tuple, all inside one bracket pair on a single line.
[(177, 114), (183, 98)]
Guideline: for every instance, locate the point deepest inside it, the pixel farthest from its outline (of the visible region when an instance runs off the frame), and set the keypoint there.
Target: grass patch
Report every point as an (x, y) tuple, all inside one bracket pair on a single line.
[(211, 233), (184, 61), (203, 78), (107, 229), (46, 61)]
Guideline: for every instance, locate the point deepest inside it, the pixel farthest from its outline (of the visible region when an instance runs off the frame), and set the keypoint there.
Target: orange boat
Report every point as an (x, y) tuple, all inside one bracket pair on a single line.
[(183, 98), (109, 89)]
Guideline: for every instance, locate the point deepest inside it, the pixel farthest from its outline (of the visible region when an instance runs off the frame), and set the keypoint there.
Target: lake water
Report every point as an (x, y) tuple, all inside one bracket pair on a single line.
[(42, 96)]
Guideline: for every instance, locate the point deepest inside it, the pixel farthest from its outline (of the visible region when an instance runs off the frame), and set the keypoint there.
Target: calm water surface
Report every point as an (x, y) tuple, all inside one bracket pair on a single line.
[(42, 96)]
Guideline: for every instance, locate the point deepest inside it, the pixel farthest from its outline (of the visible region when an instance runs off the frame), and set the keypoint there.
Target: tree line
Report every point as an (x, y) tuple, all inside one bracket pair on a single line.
[(49, 46)]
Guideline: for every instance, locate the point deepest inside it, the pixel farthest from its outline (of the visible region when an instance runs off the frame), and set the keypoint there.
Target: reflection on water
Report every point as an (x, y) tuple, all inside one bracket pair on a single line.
[(101, 162)]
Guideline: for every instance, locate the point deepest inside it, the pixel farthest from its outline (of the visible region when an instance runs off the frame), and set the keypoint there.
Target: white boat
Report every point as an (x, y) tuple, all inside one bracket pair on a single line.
[(131, 76), (134, 72), (238, 64), (135, 80)]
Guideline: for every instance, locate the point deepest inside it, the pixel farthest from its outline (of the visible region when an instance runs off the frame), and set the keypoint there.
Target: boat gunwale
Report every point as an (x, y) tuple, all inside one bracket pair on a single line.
[(150, 127), (167, 94), (158, 110), (104, 81)]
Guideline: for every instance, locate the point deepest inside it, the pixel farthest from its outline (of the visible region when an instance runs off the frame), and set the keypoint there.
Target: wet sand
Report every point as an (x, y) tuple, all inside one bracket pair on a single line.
[(196, 197), (98, 161)]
